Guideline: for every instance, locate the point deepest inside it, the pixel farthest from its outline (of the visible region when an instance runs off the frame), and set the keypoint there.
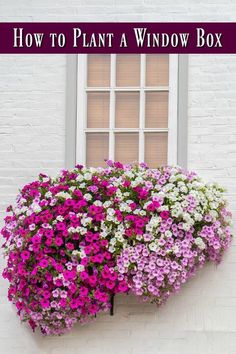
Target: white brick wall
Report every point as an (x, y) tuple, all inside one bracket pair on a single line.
[(202, 318), (32, 123)]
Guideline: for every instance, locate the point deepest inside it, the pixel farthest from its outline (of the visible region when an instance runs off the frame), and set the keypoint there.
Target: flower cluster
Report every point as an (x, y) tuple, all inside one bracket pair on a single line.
[(74, 241)]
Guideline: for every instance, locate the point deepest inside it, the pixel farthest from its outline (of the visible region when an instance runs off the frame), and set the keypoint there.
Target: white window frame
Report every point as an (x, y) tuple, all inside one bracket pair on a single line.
[(82, 90)]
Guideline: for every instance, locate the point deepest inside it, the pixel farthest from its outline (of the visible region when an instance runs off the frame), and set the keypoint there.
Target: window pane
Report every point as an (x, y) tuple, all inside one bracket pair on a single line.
[(127, 110), (156, 149), (157, 70), (128, 70), (98, 74), (97, 149), (98, 109), (156, 110), (126, 147)]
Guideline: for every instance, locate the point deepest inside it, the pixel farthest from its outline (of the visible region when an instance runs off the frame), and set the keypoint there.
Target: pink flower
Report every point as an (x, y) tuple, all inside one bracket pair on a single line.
[(110, 284), (61, 226), (129, 232), (69, 274), (83, 275), (58, 241), (93, 309), (83, 291), (164, 214), (46, 294), (45, 303), (123, 287), (63, 303), (25, 255), (70, 246), (74, 304), (48, 241), (43, 263)]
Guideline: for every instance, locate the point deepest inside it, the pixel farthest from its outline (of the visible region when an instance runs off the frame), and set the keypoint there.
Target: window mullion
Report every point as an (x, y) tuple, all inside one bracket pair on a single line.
[(142, 107), (112, 108), (172, 109), (82, 111)]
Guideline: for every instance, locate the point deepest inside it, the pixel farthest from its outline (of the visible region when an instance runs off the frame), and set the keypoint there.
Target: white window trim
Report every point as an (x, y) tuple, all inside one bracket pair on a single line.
[(82, 109)]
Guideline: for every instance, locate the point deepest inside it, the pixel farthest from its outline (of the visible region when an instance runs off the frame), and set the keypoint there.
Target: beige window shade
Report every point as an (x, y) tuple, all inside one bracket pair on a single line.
[(127, 110), (156, 149), (156, 110), (98, 70), (157, 70), (97, 149), (126, 147), (127, 70), (98, 104)]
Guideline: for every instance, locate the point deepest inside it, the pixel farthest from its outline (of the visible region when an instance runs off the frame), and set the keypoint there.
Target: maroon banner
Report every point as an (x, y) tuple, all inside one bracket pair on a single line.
[(101, 37)]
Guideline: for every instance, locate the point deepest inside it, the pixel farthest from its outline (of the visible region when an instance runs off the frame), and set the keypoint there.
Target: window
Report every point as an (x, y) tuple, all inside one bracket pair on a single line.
[(127, 108)]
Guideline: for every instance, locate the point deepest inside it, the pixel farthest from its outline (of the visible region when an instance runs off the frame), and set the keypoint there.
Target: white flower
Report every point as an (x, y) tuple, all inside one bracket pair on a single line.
[(172, 178), (45, 179), (75, 253), (36, 208), (80, 268), (168, 187), (111, 249), (153, 246), (107, 204), (184, 204), (197, 216), (142, 212), (85, 221), (113, 241), (80, 178), (186, 226), (110, 211), (103, 234), (110, 218), (81, 230), (129, 174), (175, 249), (60, 218), (97, 203), (213, 213), (199, 242), (214, 205), (17, 211), (139, 237), (63, 195), (82, 254), (87, 196), (120, 238), (48, 195), (72, 229), (183, 189), (87, 176)]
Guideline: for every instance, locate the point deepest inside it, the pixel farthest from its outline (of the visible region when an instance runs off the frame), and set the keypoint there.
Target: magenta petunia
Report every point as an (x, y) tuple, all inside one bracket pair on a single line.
[(25, 255), (43, 263)]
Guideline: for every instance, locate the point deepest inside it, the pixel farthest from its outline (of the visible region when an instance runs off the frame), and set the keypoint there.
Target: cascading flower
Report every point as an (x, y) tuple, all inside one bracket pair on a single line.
[(74, 241)]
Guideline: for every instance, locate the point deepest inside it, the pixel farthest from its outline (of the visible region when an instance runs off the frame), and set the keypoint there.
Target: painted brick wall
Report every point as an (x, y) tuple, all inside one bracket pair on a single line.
[(202, 318)]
